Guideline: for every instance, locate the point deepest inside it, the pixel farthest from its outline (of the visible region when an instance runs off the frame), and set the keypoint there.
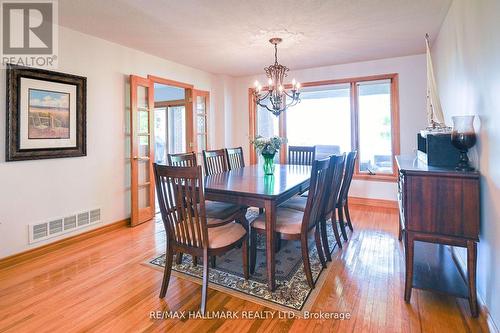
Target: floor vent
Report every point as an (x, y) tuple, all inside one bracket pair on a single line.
[(56, 227)]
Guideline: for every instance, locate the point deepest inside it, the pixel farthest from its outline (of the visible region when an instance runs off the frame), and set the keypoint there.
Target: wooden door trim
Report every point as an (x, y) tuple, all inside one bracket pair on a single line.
[(157, 79)]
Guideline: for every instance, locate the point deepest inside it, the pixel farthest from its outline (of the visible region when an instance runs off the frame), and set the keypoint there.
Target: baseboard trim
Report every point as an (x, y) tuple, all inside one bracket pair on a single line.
[(38, 251), (381, 203)]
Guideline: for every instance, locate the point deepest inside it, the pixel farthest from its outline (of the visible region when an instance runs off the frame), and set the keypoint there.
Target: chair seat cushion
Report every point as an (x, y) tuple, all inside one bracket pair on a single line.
[(221, 210), (297, 203), (288, 221), (225, 235)]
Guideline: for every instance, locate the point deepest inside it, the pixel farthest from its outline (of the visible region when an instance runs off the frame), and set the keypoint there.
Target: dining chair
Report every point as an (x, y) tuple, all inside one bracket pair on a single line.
[(182, 159), (334, 181), (234, 158), (292, 224), (343, 200), (301, 155), (215, 161), (218, 212), (188, 229)]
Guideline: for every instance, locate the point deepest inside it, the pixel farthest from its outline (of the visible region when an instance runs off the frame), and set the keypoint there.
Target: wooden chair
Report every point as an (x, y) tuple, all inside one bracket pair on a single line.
[(292, 224), (215, 161), (182, 159), (234, 157), (342, 203), (222, 212), (301, 155), (334, 181), (182, 205)]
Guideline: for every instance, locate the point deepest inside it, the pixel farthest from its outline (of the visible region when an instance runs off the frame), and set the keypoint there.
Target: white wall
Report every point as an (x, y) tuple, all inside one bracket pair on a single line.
[(467, 64), (35, 191), (412, 99)]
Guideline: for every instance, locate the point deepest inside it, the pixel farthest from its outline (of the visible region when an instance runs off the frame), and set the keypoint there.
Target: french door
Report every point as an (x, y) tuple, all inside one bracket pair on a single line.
[(142, 138), (201, 104), (141, 150)]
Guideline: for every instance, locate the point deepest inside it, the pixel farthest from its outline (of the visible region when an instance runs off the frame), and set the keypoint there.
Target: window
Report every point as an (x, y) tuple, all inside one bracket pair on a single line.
[(375, 137), (322, 118), (339, 116)]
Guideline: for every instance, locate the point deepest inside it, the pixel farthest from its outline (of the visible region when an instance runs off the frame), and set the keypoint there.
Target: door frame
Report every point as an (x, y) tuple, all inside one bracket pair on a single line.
[(190, 140)]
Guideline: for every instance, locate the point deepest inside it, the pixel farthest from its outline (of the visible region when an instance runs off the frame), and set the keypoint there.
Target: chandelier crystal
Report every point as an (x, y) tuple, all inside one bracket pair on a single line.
[(279, 99)]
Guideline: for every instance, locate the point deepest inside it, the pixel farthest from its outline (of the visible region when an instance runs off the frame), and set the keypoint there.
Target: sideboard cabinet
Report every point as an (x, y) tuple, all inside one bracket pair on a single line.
[(440, 206)]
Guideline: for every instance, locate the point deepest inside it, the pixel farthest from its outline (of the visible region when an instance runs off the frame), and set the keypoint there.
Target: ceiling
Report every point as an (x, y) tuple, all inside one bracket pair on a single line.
[(231, 37)]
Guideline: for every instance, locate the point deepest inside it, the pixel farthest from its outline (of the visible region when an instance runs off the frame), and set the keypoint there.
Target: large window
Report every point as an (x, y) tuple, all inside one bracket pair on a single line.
[(339, 116)]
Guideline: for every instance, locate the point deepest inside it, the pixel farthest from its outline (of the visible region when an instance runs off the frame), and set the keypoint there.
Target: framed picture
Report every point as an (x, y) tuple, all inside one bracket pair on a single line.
[(46, 114)]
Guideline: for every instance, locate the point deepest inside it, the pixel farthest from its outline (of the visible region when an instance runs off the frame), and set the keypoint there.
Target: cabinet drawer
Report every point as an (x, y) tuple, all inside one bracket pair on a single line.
[(442, 205)]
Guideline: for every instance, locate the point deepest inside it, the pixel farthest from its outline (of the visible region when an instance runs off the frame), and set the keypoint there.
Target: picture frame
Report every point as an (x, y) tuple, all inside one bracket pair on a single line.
[(46, 114)]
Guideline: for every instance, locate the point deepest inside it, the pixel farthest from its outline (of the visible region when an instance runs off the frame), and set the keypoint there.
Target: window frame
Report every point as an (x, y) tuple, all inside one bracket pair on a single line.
[(395, 127)]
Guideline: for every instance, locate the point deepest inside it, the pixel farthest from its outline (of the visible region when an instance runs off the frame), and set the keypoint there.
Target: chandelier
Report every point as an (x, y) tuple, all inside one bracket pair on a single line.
[(279, 99)]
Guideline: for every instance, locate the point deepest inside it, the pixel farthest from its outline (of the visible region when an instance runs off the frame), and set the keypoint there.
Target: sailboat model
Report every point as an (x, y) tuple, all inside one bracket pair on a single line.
[(435, 118)]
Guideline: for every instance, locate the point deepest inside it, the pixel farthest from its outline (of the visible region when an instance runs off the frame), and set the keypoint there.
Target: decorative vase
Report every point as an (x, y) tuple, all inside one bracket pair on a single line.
[(268, 163), (463, 137)]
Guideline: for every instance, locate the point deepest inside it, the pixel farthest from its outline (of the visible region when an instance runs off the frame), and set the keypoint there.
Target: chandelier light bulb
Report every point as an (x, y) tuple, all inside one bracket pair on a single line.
[(297, 85), (270, 82), (293, 82), (281, 88), (256, 83)]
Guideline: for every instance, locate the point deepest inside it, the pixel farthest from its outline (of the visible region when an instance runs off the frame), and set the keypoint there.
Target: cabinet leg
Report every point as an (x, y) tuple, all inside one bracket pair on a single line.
[(409, 247), (471, 274)]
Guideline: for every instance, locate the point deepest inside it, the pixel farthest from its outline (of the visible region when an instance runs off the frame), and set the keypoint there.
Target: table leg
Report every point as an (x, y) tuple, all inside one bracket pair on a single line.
[(471, 274), (270, 208)]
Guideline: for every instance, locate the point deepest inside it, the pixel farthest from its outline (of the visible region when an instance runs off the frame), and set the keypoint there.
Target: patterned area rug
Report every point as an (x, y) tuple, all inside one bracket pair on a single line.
[(292, 291)]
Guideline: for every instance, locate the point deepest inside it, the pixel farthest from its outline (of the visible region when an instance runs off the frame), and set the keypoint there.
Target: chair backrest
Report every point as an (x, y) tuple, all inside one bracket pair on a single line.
[(324, 151), (336, 173), (215, 161), (349, 171), (182, 204), (235, 158), (182, 159), (316, 196), (301, 155)]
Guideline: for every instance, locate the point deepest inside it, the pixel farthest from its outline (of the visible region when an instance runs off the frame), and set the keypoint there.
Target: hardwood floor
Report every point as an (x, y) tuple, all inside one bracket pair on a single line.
[(100, 285)]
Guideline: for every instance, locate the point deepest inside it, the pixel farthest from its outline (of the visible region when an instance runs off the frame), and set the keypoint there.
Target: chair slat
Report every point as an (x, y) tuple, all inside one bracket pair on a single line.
[(301, 155), (215, 161)]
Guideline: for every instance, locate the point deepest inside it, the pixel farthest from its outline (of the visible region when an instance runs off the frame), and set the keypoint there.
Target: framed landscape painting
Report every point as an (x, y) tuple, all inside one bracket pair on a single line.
[(46, 114)]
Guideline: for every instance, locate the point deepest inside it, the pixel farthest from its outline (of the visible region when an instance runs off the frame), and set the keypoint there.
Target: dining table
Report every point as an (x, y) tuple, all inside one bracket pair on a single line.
[(250, 186)]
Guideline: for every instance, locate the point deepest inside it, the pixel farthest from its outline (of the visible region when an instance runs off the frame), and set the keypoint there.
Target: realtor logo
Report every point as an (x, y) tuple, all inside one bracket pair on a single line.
[(29, 33)]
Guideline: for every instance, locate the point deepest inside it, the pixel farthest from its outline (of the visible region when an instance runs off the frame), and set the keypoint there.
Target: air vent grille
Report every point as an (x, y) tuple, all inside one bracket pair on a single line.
[(55, 226), (40, 231), (83, 219), (70, 222), (95, 215), (59, 226)]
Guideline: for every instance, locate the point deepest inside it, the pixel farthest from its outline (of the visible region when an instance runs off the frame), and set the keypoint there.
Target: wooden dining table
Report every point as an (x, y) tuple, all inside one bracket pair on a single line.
[(251, 187)]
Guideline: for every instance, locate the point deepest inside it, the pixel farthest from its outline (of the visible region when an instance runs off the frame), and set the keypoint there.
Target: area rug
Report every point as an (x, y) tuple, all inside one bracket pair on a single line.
[(292, 291)]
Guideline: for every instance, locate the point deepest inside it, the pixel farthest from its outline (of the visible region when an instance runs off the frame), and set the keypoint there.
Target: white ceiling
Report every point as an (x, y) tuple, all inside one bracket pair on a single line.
[(231, 36)]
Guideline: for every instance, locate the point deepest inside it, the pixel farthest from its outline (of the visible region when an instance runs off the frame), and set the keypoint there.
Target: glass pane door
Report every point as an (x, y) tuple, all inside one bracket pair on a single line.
[(201, 107), (142, 154)]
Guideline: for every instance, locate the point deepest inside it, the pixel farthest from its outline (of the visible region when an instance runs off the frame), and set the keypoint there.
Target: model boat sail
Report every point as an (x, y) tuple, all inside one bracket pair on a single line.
[(435, 116)]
